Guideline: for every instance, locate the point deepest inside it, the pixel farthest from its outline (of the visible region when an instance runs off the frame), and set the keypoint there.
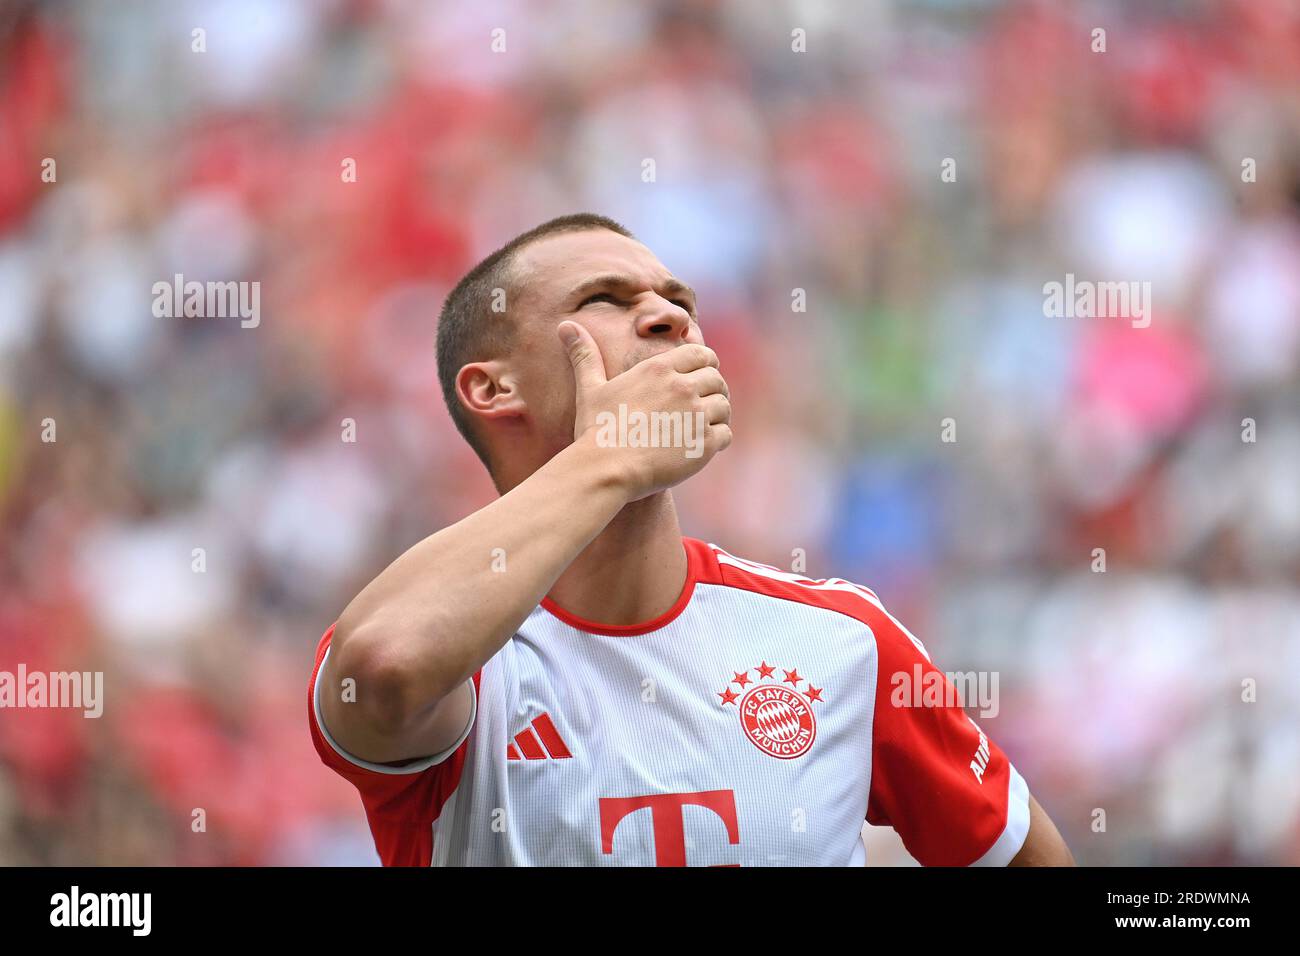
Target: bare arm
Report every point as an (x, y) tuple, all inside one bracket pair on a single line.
[(1043, 844), (414, 636)]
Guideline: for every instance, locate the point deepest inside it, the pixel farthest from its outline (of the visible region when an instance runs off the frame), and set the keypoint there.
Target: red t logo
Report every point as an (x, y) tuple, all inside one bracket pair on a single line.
[(666, 820)]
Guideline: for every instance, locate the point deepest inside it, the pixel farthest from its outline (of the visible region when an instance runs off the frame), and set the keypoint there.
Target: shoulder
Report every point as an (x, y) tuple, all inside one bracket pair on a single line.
[(720, 567)]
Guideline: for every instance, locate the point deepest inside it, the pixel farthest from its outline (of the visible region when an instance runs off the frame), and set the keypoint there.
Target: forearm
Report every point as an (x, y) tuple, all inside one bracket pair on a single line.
[(442, 609)]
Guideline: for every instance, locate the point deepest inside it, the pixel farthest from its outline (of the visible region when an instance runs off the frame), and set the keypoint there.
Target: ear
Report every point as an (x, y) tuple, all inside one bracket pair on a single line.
[(489, 390)]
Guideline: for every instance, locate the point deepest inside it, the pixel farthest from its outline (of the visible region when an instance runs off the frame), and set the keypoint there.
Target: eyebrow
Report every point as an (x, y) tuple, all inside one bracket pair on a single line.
[(616, 280)]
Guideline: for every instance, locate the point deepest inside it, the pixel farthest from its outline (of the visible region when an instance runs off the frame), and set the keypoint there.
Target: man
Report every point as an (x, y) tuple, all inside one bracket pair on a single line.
[(561, 678)]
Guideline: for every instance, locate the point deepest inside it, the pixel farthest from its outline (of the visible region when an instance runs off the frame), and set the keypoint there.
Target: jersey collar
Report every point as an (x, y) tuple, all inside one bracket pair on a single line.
[(697, 558)]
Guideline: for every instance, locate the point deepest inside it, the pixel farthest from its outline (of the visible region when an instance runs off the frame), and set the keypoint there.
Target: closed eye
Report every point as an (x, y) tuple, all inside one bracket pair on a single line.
[(683, 304)]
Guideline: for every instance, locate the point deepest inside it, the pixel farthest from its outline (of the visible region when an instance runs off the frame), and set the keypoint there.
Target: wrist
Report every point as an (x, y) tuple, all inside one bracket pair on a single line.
[(605, 467)]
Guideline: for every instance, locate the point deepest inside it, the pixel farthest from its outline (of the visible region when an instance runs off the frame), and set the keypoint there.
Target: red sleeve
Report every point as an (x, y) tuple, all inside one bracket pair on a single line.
[(949, 791), (402, 801)]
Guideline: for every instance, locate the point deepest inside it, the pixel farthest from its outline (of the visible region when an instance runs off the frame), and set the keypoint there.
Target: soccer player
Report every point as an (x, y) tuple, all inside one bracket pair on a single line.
[(562, 678)]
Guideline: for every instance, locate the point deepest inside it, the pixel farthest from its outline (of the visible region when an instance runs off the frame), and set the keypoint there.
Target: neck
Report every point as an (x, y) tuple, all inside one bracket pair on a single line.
[(633, 571)]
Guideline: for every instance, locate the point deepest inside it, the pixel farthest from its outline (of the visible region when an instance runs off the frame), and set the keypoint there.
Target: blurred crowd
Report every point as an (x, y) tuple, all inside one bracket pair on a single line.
[(921, 426)]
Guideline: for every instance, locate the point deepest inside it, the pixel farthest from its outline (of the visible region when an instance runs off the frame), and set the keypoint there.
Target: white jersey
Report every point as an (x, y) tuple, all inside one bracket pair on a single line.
[(759, 721)]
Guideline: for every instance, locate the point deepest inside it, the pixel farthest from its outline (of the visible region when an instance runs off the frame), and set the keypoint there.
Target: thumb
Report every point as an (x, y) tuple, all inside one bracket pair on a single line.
[(584, 355)]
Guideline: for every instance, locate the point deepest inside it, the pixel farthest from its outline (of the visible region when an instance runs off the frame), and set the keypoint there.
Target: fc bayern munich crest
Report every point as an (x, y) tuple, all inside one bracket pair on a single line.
[(775, 714)]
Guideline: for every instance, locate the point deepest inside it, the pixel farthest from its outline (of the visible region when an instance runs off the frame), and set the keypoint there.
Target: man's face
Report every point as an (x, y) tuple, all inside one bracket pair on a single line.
[(613, 286)]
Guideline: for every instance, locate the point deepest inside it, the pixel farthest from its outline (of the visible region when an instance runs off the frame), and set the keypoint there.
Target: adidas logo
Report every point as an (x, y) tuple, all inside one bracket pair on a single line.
[(538, 741)]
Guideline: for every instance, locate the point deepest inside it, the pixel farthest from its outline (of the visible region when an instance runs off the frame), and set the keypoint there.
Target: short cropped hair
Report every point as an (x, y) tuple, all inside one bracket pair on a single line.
[(468, 328)]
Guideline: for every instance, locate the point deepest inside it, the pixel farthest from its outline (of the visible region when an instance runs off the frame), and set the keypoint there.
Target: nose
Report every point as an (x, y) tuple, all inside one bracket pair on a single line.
[(662, 319)]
